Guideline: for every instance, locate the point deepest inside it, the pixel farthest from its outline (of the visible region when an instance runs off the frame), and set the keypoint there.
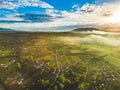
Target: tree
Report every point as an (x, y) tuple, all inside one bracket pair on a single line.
[(61, 85), (61, 79), (19, 65), (81, 86), (55, 87)]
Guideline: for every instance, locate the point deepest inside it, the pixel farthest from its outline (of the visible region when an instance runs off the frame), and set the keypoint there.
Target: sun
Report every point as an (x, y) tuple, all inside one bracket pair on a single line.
[(115, 18)]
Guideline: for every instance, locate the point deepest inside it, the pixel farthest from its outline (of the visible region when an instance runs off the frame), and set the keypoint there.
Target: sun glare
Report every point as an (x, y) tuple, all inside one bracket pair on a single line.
[(115, 18)]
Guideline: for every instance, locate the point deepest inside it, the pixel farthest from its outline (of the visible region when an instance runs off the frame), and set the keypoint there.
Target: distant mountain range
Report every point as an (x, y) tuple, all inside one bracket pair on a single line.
[(95, 29), (75, 30), (7, 30), (85, 29)]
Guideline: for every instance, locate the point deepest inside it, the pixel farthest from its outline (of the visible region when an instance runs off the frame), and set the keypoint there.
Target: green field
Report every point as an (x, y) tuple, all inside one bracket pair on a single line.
[(59, 61)]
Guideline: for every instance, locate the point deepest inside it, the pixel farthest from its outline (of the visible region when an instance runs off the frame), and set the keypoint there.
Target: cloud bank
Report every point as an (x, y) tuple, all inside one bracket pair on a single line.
[(13, 4), (100, 16)]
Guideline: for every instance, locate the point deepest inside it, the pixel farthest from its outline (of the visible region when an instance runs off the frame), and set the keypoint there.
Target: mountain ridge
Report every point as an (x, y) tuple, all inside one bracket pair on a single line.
[(7, 30), (85, 29)]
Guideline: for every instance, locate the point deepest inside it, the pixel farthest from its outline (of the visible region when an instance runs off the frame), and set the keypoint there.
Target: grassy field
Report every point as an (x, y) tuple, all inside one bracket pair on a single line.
[(59, 61)]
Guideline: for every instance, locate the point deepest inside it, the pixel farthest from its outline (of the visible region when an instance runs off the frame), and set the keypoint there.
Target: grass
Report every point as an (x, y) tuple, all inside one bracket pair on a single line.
[(30, 48)]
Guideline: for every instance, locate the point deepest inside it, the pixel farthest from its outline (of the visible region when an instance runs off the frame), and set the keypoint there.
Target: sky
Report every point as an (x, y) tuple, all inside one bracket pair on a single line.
[(57, 15)]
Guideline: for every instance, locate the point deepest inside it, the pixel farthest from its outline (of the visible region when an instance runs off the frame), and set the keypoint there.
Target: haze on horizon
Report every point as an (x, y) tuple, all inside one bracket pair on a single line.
[(45, 15)]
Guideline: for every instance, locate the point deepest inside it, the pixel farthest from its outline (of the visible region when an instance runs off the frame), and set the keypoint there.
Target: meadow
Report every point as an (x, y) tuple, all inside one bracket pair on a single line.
[(59, 61)]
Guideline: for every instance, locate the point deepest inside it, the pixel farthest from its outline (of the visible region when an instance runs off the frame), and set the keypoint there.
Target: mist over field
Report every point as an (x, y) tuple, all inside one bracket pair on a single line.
[(59, 44), (98, 39)]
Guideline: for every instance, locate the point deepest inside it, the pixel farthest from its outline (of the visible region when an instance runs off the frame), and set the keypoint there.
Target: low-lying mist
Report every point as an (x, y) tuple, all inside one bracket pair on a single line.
[(112, 40)]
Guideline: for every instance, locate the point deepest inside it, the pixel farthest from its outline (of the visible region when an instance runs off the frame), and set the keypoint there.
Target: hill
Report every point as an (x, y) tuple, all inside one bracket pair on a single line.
[(84, 29), (6, 30)]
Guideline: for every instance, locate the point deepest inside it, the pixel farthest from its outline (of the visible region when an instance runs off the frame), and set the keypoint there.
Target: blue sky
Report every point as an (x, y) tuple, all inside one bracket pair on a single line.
[(48, 15)]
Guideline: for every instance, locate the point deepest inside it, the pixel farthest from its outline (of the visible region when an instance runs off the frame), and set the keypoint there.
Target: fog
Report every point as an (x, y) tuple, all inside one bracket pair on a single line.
[(112, 40)]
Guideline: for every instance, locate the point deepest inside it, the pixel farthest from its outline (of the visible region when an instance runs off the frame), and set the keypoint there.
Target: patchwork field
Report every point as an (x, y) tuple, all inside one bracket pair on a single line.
[(59, 61)]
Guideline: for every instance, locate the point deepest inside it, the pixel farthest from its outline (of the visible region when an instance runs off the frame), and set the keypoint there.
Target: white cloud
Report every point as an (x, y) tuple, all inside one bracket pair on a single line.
[(51, 11), (12, 4), (88, 14), (88, 7), (75, 6), (36, 3), (11, 17), (8, 5)]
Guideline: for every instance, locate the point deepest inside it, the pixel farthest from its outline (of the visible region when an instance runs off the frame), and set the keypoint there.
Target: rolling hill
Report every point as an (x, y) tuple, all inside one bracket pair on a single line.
[(7, 30)]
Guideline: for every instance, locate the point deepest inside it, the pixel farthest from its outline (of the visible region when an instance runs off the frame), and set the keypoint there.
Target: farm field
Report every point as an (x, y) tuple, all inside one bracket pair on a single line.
[(59, 61)]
